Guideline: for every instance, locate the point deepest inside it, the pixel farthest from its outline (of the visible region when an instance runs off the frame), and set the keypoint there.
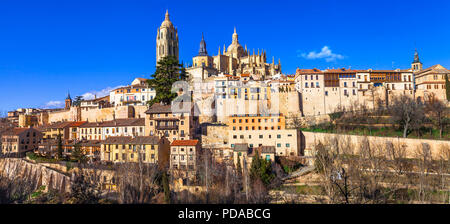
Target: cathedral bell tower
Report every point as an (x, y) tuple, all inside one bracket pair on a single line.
[(416, 65), (166, 39), (68, 102)]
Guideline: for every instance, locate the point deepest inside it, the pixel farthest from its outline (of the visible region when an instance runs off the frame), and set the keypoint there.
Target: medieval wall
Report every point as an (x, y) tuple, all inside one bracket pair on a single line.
[(411, 145), (95, 114)]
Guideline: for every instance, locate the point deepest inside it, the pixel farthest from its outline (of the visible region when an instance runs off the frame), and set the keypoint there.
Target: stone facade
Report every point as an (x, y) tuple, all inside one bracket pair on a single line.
[(166, 39)]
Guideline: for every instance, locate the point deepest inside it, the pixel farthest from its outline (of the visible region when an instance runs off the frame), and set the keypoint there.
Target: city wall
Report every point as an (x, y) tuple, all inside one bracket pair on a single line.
[(411, 145), (96, 114)]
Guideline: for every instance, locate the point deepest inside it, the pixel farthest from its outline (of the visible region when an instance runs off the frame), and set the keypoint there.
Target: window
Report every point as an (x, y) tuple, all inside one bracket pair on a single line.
[(278, 145), (260, 136), (288, 145), (278, 136)]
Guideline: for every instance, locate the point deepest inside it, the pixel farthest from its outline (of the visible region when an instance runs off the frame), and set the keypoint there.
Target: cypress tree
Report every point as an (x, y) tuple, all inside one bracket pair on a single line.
[(168, 71), (447, 87)]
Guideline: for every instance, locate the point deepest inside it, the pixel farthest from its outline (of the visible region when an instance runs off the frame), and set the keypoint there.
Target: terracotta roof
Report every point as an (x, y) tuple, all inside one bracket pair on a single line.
[(138, 140), (340, 70), (308, 71), (16, 131), (145, 140), (184, 142), (115, 123), (118, 140), (77, 124), (160, 108)]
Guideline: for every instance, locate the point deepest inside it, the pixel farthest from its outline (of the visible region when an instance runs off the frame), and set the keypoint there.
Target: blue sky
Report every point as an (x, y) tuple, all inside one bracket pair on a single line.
[(50, 47)]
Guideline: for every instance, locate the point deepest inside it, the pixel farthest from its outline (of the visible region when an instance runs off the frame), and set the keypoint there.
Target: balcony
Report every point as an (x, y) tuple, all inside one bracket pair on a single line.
[(167, 127)]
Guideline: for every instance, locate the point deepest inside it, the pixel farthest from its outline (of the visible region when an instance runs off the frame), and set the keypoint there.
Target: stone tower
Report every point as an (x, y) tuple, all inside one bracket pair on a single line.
[(202, 50), (416, 65), (68, 102), (166, 39)]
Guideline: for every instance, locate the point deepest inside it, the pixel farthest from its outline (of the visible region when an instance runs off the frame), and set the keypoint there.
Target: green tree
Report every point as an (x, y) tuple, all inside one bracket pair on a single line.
[(77, 153), (60, 147), (77, 101), (168, 71), (447, 87), (261, 169)]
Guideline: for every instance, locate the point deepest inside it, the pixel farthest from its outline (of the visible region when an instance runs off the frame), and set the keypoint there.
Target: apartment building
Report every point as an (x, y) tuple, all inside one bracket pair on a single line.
[(286, 142), (432, 81), (184, 157), (138, 93), (18, 141), (180, 124), (324, 92), (256, 122), (148, 149), (118, 127)]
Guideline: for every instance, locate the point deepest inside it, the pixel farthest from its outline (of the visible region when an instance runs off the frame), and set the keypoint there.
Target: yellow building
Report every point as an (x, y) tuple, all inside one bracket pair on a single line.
[(256, 122), (431, 81), (148, 149)]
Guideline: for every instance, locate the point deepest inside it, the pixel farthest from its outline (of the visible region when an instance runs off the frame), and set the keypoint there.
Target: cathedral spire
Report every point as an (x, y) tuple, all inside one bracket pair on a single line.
[(235, 36), (202, 51), (167, 15), (416, 57)]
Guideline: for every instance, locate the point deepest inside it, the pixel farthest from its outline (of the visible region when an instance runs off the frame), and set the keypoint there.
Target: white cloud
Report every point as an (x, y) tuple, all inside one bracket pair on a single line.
[(86, 96), (54, 104), (325, 53), (104, 92)]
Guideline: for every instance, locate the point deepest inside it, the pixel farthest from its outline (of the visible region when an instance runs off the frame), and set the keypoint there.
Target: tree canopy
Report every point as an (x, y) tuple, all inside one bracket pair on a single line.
[(168, 71)]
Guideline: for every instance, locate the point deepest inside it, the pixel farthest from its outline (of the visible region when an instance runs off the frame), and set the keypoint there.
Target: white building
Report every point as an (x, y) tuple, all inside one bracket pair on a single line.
[(138, 93)]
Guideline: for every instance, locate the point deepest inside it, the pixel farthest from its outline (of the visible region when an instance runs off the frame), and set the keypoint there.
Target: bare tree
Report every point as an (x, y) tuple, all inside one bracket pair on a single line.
[(406, 112), (437, 109)]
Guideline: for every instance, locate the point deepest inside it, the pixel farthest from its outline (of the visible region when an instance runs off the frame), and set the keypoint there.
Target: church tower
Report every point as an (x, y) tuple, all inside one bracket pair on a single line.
[(416, 65), (68, 102), (166, 39)]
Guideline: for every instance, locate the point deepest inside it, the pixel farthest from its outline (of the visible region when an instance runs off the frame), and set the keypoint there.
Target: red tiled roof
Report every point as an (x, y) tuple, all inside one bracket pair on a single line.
[(77, 124), (184, 143), (16, 131)]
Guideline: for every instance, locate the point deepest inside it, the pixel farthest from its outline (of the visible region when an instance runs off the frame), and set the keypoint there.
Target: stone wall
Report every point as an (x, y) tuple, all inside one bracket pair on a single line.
[(95, 114), (411, 145)]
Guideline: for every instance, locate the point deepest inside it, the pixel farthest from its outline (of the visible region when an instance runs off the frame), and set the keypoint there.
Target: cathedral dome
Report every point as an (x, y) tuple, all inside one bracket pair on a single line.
[(235, 48), (167, 22)]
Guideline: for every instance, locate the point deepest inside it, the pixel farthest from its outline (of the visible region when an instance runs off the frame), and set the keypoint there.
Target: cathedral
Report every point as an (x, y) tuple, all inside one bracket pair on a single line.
[(234, 60)]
